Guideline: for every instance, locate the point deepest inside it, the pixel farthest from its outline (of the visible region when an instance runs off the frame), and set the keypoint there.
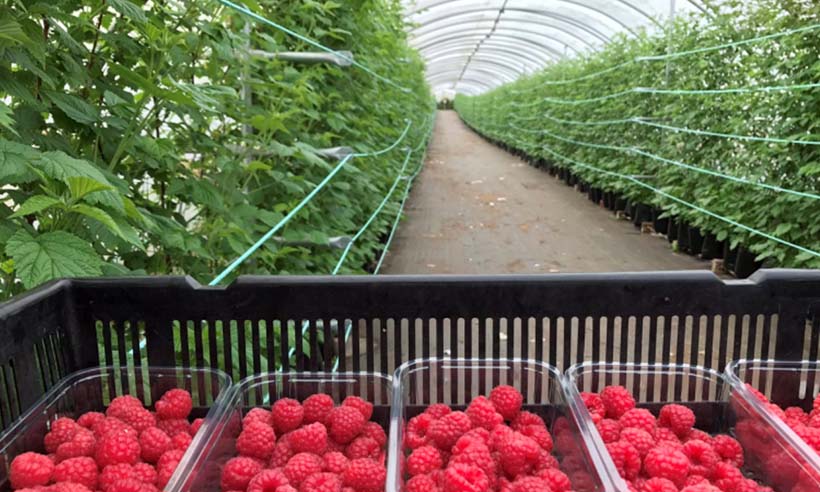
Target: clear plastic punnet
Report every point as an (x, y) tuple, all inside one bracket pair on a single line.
[(204, 471), (91, 390), (770, 456), (455, 382)]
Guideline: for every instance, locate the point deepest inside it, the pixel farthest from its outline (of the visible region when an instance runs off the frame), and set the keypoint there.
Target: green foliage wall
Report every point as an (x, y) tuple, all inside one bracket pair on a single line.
[(127, 144), (518, 115)]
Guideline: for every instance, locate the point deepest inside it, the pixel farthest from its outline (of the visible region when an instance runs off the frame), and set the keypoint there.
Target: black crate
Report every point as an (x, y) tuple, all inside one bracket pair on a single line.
[(681, 317)]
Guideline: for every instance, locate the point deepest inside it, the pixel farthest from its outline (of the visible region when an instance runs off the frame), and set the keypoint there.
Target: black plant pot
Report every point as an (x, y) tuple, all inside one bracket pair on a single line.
[(609, 200), (745, 263), (630, 209), (660, 225), (643, 213), (672, 233), (729, 256), (620, 203), (695, 241), (712, 248), (683, 236)]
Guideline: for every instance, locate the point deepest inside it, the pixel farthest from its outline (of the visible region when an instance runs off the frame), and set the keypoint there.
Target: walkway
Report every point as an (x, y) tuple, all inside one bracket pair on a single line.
[(477, 209)]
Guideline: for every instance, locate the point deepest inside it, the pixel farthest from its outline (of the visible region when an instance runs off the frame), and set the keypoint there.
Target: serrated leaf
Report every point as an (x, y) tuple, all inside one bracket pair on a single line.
[(61, 166), (129, 10), (7, 118), (51, 256), (97, 214), (81, 186), (35, 204), (74, 107), (11, 30), (14, 160)]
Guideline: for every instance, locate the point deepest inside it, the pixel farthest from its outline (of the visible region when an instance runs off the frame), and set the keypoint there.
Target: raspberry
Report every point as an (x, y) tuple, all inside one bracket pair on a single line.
[(145, 473), (81, 470), (195, 425), (498, 436), (174, 404), (153, 443), (82, 444), (539, 434), (365, 475), (62, 431), (170, 459), (375, 432), (609, 429), (359, 404), (287, 415), (530, 484), (617, 400), (445, 431), (30, 470), (482, 413), (135, 416), (658, 484), (726, 476), (525, 418), (181, 441), (344, 424), (362, 447), (478, 454), (334, 462), (117, 448), (301, 466), (238, 472), (594, 403), (421, 483), (702, 457), (111, 425), (728, 449), (666, 462), (66, 487), (809, 434), (267, 480), (317, 407), (311, 438), (257, 415), (698, 435), (173, 427), (757, 394), (423, 460), (545, 461), (626, 458), (113, 473), (122, 402), (665, 435), (639, 439), (131, 485), (701, 487), (257, 440), (797, 414), (437, 410), (639, 418), (322, 482), (282, 452), (507, 401), (678, 418), (518, 454), (88, 419), (557, 480), (464, 478)]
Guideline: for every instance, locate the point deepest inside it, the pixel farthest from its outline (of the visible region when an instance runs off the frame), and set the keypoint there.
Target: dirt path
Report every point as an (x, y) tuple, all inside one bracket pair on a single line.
[(476, 209)]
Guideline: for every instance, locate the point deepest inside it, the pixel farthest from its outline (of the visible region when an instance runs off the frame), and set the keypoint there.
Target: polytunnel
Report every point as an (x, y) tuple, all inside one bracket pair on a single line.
[(471, 46)]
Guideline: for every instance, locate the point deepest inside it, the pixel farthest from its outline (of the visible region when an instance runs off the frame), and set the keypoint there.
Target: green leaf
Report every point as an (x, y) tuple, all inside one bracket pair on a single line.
[(35, 204), (11, 30), (6, 118), (97, 214), (14, 160), (129, 10), (81, 186), (50, 256), (74, 107)]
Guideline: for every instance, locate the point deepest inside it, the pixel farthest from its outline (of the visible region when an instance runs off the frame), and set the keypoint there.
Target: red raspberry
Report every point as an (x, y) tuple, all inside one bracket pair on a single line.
[(609, 429), (365, 475), (478, 454), (62, 431), (112, 425), (498, 436), (518, 454), (301, 466), (375, 432), (438, 410), (267, 480), (701, 487), (145, 473), (539, 434), (181, 441), (639, 439), (665, 435), (797, 413), (658, 484), (153, 443), (362, 447), (164, 475), (135, 416), (639, 418), (170, 459), (626, 458), (81, 470), (809, 434), (666, 462), (317, 407), (482, 413), (423, 460), (257, 440), (757, 394), (88, 419), (258, 415), (678, 418), (113, 473), (530, 484), (82, 444), (282, 452), (287, 415), (174, 404), (173, 427), (311, 438), (359, 404), (726, 476), (525, 418), (117, 448), (594, 403), (30, 470), (195, 425), (121, 402), (545, 461), (65, 487), (702, 457), (477, 434), (557, 480), (421, 483), (507, 401), (344, 424), (445, 431), (617, 400), (322, 482), (698, 435), (131, 485), (464, 478), (335, 462), (728, 449), (238, 472)]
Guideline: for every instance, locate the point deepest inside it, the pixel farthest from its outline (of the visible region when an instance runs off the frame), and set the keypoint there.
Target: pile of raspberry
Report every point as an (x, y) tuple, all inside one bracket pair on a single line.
[(667, 453), (805, 425), (491, 446), (127, 449), (313, 446)]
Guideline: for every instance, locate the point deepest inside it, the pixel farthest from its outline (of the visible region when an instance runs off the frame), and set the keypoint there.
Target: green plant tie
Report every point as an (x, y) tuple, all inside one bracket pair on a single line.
[(315, 44)]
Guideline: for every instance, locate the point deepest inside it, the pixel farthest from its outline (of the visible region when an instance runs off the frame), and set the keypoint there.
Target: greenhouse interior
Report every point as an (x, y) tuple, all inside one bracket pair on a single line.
[(410, 246)]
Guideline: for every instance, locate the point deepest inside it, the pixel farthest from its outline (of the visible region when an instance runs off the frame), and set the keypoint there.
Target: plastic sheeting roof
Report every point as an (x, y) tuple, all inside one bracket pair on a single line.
[(471, 46)]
